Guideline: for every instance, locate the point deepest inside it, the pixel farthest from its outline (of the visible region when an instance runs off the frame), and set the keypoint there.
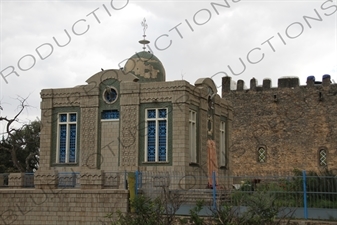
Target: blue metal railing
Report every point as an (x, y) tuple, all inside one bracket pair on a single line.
[(301, 191), (214, 190), (305, 208)]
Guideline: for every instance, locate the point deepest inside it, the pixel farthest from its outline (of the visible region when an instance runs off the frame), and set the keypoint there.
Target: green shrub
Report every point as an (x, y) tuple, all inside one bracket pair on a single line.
[(260, 208), (194, 214), (147, 212)]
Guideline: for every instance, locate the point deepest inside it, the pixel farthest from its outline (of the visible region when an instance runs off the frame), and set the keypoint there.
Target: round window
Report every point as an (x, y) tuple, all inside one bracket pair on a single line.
[(110, 95)]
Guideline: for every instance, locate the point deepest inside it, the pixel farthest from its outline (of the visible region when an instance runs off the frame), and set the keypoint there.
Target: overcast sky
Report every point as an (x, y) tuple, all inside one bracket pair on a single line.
[(192, 38)]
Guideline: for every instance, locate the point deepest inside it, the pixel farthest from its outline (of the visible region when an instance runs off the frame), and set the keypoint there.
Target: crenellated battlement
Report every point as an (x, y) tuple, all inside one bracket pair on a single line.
[(289, 82), (285, 127)]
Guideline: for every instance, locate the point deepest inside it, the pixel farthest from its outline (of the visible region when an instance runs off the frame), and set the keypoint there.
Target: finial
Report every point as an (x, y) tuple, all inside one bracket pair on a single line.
[(144, 41), (144, 25)]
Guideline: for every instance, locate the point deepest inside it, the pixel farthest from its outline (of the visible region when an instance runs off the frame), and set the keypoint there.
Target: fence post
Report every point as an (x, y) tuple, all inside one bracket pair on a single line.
[(305, 195), (137, 174), (132, 187), (125, 181), (214, 190)]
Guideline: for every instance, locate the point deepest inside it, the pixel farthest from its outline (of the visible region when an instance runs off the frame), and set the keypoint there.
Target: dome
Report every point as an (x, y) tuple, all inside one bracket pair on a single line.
[(146, 66)]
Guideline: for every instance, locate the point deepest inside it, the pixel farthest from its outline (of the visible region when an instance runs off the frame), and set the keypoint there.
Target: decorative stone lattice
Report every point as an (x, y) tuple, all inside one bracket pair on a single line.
[(129, 136), (89, 137)]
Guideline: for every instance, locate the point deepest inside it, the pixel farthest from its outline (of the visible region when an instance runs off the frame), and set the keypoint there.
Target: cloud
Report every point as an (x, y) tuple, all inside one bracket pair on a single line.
[(217, 42)]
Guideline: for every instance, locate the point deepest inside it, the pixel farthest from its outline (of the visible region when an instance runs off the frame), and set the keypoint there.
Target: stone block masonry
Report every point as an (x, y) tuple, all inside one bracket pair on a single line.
[(276, 130), (60, 206)]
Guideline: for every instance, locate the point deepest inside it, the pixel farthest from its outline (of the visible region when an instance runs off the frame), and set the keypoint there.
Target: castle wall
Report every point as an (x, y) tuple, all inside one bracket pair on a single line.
[(293, 123), (60, 206)]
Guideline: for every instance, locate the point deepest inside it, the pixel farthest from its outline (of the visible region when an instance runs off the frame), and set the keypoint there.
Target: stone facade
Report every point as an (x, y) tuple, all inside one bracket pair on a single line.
[(132, 119), (63, 206), (294, 125), (104, 125), (95, 136)]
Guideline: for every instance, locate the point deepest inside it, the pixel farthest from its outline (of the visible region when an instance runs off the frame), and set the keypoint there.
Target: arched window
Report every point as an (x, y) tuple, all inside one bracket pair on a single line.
[(262, 154), (323, 157)]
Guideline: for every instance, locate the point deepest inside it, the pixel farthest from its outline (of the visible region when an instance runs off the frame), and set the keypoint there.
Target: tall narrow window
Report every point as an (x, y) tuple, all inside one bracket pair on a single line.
[(222, 144), (323, 157), (262, 154), (193, 135), (66, 138), (156, 135)]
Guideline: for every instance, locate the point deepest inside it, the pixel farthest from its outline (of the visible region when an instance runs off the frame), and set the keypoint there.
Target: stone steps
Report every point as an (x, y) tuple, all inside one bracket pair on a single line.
[(192, 196)]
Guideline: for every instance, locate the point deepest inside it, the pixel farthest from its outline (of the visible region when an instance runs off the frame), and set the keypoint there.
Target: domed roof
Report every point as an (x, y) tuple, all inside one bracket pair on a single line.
[(146, 66)]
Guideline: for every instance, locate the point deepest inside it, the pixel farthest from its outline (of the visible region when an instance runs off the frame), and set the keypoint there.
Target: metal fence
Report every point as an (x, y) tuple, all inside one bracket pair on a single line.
[(310, 195), (110, 180), (115, 180), (307, 195), (28, 180), (4, 179), (69, 180), (292, 191), (179, 187)]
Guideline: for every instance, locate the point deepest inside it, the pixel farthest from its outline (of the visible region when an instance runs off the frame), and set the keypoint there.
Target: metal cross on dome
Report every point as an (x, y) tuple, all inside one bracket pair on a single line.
[(144, 25), (144, 41)]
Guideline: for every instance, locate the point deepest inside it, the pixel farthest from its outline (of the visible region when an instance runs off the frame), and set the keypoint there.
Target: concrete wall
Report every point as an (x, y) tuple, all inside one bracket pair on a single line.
[(60, 206)]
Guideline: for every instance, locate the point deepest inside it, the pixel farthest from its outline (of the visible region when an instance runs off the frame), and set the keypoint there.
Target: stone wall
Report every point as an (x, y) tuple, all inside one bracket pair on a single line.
[(60, 206), (293, 123), (109, 145)]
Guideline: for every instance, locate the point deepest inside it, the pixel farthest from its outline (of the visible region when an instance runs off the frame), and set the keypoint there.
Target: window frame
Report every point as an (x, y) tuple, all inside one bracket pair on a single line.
[(67, 149), (322, 149), (157, 119), (264, 153), (112, 88), (110, 119), (223, 143), (192, 130)]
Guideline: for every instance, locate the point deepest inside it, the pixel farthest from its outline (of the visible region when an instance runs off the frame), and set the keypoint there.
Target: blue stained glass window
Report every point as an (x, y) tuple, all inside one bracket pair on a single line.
[(73, 117), (156, 138), (162, 113), (67, 138), (63, 141), (162, 140), (151, 113), (72, 143), (110, 114), (63, 117), (151, 141), (115, 114)]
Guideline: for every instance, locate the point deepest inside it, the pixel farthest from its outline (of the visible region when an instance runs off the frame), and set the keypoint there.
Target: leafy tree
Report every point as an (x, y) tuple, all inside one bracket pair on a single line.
[(19, 147), (6, 165)]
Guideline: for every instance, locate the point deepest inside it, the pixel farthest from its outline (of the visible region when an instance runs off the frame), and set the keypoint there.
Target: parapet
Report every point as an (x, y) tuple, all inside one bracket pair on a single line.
[(288, 82), (326, 80), (285, 82)]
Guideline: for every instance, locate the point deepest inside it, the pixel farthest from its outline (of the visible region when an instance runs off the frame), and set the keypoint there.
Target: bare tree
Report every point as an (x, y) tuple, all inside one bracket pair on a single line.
[(22, 143)]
